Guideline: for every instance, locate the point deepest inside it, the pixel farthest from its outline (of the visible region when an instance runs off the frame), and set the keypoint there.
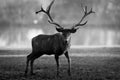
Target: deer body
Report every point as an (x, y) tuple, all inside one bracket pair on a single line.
[(49, 44), (55, 44)]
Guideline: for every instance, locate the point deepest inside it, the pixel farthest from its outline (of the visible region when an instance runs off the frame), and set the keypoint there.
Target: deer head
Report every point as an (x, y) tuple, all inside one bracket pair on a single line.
[(59, 28)]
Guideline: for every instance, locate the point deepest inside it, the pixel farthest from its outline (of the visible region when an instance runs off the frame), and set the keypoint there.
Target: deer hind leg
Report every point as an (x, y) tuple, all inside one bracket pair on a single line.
[(57, 62), (27, 64), (34, 56), (69, 66), (29, 60)]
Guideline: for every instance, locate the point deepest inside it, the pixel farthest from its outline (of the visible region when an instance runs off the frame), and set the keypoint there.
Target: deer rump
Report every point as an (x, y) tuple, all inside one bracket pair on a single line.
[(49, 44)]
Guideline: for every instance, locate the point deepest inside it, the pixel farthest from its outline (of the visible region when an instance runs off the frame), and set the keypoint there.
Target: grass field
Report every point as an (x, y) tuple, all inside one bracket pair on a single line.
[(82, 67)]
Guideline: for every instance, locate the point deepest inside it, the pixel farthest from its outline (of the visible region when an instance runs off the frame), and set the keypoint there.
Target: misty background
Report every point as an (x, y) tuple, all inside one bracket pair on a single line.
[(19, 23)]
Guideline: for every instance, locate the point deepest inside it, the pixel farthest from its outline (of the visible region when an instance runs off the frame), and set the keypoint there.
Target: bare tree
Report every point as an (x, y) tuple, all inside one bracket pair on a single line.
[(56, 44)]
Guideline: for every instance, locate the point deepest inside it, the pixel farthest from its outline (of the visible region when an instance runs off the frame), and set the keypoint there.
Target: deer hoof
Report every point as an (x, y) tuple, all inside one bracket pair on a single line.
[(69, 73)]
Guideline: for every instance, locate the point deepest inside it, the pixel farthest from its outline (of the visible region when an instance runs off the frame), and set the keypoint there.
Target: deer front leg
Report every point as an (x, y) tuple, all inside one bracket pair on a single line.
[(69, 66), (57, 62)]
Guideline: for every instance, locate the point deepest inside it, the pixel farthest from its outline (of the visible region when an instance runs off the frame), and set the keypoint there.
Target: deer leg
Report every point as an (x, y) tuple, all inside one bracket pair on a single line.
[(27, 64), (31, 64), (67, 56), (57, 62), (34, 56)]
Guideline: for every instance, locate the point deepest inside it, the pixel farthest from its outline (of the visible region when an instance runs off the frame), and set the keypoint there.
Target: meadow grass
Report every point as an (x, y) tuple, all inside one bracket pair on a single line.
[(82, 68)]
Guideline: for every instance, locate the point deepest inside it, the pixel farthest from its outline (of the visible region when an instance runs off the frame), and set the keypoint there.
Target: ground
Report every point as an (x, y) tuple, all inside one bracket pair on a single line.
[(82, 68)]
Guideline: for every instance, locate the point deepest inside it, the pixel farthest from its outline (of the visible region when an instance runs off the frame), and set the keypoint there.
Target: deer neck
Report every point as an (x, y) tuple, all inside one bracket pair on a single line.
[(67, 40), (66, 37)]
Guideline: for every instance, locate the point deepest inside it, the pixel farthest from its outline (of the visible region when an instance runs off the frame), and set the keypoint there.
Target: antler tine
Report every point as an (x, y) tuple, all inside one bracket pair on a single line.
[(41, 10), (49, 7), (47, 10), (86, 13), (85, 9), (92, 11)]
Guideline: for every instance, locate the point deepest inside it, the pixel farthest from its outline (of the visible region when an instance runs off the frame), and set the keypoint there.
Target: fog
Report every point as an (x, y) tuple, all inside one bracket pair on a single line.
[(19, 23)]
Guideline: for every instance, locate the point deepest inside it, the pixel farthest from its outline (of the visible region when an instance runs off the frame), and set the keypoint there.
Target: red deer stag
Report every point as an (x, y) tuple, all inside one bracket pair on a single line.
[(56, 44)]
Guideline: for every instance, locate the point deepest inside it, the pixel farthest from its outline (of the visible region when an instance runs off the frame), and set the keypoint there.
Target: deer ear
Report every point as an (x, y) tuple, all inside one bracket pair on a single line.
[(59, 29), (73, 30)]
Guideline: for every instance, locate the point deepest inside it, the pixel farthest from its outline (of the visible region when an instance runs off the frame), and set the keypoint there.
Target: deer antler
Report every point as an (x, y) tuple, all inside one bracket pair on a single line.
[(51, 21), (86, 13)]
